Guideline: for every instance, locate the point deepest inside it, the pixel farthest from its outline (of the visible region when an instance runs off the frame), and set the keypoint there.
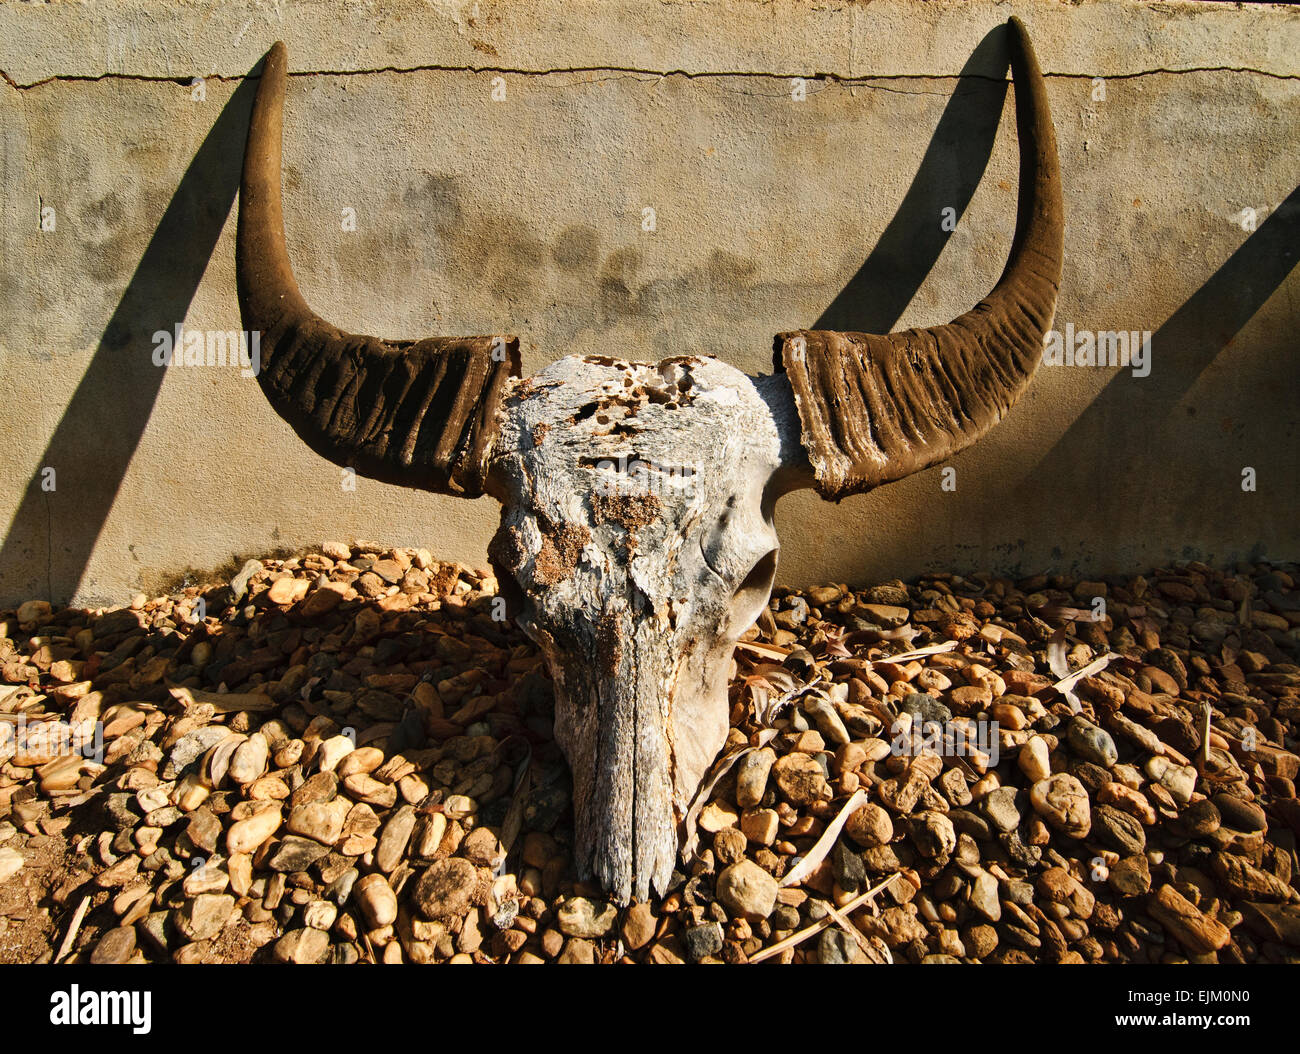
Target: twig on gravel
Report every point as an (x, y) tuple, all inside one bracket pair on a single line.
[(77, 918), (921, 653), (821, 924), (846, 924)]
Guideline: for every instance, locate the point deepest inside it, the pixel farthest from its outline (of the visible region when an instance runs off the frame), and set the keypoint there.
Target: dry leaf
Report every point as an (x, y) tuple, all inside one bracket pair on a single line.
[(514, 817), (818, 852), (768, 651), (1066, 684), (721, 768), (771, 688), (905, 633), (216, 763), (224, 702), (1064, 611), (834, 646), (1057, 658)]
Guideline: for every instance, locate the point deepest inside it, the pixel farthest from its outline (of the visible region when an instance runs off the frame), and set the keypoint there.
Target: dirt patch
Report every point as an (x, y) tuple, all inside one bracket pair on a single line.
[(629, 511), (560, 552)]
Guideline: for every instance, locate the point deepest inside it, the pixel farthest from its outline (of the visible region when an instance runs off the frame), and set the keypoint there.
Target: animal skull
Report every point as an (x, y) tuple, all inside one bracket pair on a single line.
[(640, 536), (636, 536)]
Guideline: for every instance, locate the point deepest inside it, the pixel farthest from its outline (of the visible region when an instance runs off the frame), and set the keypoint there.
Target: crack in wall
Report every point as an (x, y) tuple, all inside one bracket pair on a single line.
[(860, 80)]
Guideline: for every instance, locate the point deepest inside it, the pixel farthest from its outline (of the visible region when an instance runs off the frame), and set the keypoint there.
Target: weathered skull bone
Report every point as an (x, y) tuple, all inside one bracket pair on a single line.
[(641, 536), (636, 531)]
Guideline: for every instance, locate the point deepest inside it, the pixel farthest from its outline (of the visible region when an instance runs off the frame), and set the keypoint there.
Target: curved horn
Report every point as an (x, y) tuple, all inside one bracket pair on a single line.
[(874, 409), (419, 414)]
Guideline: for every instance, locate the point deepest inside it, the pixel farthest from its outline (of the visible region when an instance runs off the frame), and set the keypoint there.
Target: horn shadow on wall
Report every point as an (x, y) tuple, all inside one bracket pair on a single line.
[(875, 297), (52, 535), (1171, 437)]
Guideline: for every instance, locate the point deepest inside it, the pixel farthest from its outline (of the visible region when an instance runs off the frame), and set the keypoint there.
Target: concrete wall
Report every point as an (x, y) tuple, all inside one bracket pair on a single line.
[(525, 214)]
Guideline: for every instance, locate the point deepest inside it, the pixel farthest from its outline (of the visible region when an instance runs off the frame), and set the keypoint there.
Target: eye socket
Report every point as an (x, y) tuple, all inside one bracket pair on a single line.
[(754, 591), (508, 589)]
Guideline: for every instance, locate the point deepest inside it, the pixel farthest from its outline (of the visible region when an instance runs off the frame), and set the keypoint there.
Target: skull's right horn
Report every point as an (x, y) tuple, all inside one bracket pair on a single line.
[(874, 409), (415, 413)]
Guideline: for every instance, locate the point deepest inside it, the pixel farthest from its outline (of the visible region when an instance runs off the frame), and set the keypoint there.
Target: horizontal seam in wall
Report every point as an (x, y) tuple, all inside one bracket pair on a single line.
[(862, 80)]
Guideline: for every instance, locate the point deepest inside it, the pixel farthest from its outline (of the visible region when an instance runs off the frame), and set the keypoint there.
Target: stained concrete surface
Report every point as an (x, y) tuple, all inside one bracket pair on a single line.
[(525, 213)]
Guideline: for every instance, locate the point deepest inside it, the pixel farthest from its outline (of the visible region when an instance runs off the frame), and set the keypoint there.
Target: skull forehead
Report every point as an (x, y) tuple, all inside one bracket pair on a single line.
[(630, 473), (672, 413)]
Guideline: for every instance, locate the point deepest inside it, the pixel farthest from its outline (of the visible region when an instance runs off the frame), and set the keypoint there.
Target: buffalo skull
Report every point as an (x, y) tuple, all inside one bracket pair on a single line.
[(636, 540)]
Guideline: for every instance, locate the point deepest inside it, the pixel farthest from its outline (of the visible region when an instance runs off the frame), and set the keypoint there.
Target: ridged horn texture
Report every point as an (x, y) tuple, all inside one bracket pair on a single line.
[(415, 413), (874, 409)]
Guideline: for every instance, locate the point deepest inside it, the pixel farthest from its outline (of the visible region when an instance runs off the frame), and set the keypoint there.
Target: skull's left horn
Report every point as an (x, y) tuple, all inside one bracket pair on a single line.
[(414, 413), (874, 408)]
